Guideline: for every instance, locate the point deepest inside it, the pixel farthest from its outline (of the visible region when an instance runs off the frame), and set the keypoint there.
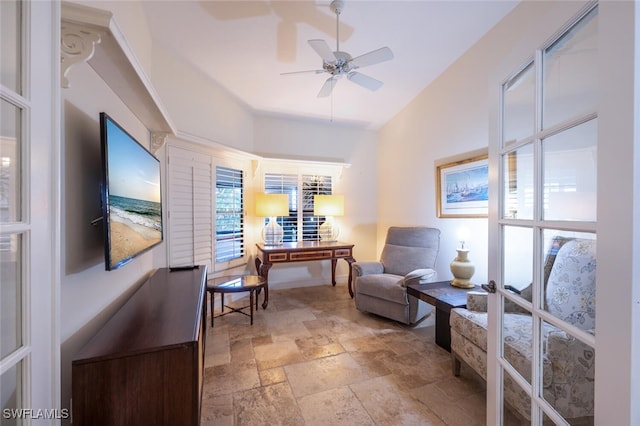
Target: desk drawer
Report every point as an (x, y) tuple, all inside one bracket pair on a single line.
[(343, 252), (312, 255), (277, 257)]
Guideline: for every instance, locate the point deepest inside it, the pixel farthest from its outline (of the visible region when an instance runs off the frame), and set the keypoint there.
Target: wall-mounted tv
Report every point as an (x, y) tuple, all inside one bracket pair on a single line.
[(131, 196)]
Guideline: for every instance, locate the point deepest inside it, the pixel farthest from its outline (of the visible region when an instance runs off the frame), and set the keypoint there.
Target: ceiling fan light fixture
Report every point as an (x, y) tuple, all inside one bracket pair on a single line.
[(338, 63)]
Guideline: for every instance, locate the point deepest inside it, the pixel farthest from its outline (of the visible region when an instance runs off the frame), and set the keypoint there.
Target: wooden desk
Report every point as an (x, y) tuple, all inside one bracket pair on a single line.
[(303, 251), (444, 297)]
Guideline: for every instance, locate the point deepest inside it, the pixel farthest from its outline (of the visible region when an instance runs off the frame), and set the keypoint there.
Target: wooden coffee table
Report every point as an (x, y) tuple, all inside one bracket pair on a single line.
[(444, 297), (237, 284)]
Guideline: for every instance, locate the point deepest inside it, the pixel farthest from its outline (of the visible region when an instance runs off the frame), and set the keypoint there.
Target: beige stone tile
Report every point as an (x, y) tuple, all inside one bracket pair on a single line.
[(294, 356), (277, 354), (387, 404), (318, 375), (242, 350), (262, 340), (229, 378), (272, 376), (217, 410), (267, 405), (333, 407), (452, 410)]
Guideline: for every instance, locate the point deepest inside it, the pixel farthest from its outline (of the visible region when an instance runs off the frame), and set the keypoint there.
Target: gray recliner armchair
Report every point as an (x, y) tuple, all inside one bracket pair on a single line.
[(409, 256)]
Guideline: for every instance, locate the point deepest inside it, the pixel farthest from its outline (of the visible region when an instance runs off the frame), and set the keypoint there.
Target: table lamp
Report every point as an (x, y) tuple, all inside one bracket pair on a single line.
[(328, 206), (461, 267), (272, 205)]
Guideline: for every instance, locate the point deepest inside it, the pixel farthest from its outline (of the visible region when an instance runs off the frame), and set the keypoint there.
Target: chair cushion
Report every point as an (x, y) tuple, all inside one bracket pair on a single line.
[(571, 289), (410, 248), (516, 336), (383, 286)]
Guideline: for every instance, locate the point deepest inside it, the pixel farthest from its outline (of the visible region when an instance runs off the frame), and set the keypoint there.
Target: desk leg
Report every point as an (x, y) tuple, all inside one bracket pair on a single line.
[(251, 305), (334, 261), (262, 268), (266, 296)]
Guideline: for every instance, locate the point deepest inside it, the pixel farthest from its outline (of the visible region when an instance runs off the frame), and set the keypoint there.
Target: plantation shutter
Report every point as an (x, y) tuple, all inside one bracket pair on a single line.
[(301, 224), (190, 208), (312, 185), (229, 215)]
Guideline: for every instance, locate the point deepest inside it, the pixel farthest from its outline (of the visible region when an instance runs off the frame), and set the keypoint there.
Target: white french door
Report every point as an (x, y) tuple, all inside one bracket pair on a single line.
[(29, 147), (545, 158)]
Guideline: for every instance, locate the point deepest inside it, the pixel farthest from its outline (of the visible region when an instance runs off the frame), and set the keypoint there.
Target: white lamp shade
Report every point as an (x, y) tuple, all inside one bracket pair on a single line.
[(271, 205), (328, 205)]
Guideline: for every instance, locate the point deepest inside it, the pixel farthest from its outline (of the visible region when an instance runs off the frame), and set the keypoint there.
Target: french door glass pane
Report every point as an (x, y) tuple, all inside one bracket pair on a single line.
[(517, 404), (519, 103), (10, 44), (569, 373), (10, 158), (570, 277), (570, 173), (571, 73), (518, 183), (10, 293), (518, 260), (11, 393)]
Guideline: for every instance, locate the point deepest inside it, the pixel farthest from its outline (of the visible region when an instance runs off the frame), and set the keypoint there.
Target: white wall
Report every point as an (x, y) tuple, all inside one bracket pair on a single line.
[(449, 121), (198, 105)]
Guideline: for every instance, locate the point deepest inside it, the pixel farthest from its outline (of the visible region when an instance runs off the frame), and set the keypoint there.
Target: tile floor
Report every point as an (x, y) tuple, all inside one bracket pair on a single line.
[(311, 358)]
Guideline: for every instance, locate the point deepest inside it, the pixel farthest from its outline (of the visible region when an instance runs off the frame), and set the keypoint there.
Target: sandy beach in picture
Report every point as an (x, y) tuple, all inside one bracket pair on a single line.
[(128, 238)]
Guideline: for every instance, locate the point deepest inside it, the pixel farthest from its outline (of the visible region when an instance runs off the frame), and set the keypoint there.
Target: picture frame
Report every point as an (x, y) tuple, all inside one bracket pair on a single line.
[(462, 188)]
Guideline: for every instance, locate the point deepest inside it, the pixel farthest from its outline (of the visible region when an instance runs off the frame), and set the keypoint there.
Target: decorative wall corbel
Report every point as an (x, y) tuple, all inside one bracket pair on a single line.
[(78, 44), (158, 139)]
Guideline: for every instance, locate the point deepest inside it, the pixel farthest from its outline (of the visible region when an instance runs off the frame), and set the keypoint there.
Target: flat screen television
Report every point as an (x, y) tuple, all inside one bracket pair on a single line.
[(131, 195)]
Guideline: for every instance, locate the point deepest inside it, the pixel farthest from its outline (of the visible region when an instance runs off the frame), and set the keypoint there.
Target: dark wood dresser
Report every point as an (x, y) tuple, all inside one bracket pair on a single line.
[(145, 366)]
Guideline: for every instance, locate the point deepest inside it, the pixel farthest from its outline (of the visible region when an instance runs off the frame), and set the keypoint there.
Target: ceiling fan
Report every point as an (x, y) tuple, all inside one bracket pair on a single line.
[(340, 64)]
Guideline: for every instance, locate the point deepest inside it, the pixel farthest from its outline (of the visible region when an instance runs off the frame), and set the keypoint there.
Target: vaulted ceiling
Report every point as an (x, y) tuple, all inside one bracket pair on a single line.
[(245, 46)]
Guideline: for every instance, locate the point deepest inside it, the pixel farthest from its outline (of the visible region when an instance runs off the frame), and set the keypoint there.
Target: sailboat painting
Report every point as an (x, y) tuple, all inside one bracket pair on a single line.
[(463, 188)]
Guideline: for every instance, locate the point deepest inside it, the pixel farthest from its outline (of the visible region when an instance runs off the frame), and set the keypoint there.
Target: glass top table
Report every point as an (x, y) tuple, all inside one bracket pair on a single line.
[(237, 284)]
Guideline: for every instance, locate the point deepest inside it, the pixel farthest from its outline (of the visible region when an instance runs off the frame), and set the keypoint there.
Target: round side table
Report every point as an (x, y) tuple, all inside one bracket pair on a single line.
[(237, 284)]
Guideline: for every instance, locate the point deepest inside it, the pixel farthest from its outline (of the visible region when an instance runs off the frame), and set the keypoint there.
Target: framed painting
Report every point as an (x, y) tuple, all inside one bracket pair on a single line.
[(463, 188)]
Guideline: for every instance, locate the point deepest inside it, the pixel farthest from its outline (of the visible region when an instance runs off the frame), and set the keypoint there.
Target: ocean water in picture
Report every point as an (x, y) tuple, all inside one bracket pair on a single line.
[(140, 212)]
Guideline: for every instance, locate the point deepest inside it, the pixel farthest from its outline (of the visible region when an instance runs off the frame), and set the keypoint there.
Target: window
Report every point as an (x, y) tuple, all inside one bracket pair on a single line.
[(229, 214), (301, 224)]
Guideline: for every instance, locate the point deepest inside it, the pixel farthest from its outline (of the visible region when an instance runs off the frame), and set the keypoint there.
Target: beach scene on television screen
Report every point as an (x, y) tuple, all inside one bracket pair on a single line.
[(135, 210)]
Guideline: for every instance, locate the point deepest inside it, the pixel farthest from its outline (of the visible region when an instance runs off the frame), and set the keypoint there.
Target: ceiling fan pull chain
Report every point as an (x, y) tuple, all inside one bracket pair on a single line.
[(337, 30)]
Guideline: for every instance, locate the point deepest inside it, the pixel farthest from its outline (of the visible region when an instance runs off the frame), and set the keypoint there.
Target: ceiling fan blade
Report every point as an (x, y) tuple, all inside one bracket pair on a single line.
[(373, 57), (303, 72), (327, 87), (322, 48), (365, 81)]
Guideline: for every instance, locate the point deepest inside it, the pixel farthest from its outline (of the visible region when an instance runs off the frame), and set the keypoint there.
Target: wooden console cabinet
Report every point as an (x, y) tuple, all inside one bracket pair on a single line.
[(145, 366)]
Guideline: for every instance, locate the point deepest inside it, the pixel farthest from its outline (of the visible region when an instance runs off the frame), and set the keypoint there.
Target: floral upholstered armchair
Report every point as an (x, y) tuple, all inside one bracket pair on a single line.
[(568, 364)]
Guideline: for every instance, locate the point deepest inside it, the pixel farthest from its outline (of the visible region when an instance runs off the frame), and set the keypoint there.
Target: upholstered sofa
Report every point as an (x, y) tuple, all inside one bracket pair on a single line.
[(568, 363), (409, 256)]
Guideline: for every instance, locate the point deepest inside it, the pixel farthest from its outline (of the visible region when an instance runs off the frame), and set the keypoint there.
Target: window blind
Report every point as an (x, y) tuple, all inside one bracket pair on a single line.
[(229, 214)]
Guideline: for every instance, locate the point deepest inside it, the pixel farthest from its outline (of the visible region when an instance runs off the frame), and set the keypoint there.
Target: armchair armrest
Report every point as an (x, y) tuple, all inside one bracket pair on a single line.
[(419, 276), (477, 301), (367, 268)]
